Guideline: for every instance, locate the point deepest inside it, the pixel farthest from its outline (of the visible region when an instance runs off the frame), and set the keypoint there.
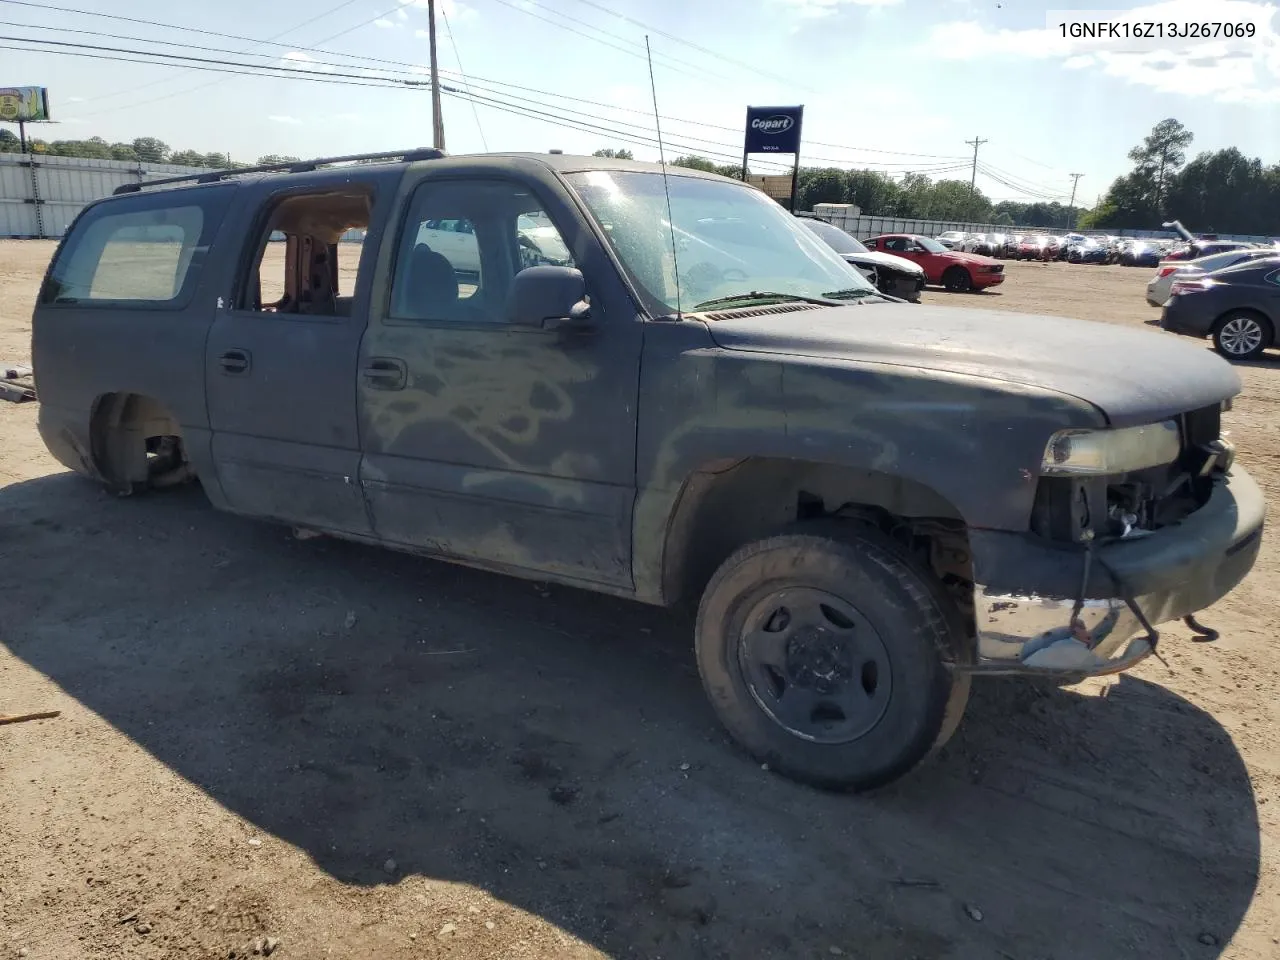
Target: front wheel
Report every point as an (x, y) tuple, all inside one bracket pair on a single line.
[(827, 654), (1242, 336), (957, 280)]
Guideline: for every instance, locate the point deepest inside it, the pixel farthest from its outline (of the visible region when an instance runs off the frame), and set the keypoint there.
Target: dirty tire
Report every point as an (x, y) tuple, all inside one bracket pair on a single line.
[(1242, 335), (957, 280), (900, 604)]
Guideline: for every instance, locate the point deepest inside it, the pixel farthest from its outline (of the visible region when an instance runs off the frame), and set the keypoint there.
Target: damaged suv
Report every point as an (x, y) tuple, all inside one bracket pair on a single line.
[(869, 503)]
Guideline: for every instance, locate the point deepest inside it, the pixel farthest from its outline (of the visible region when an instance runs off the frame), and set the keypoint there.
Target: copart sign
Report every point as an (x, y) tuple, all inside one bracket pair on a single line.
[(773, 129)]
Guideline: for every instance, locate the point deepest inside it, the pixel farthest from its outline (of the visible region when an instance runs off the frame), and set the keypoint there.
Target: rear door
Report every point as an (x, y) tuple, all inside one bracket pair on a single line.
[(280, 362)]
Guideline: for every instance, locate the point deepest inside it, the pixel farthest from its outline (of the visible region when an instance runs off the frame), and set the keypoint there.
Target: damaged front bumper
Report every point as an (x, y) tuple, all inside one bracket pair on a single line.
[(1029, 589)]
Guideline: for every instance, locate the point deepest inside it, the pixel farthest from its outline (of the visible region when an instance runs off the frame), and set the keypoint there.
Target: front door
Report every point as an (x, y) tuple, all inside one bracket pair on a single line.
[(280, 363), (508, 446)]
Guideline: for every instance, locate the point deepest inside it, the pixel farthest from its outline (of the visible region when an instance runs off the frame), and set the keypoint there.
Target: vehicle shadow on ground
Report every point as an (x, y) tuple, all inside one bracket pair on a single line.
[(554, 748)]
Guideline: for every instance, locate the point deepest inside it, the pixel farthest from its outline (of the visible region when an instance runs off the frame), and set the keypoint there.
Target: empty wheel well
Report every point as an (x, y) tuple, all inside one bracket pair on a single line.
[(724, 506), (135, 439)]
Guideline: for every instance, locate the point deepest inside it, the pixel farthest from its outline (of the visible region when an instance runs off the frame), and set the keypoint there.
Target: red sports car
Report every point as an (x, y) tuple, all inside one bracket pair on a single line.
[(953, 269)]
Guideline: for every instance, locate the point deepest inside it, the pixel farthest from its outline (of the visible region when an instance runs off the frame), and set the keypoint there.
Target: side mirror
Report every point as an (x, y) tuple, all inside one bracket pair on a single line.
[(550, 298)]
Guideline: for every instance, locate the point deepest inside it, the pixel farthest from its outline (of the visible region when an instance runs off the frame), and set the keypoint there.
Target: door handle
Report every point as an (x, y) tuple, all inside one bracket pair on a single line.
[(235, 362), (385, 373)]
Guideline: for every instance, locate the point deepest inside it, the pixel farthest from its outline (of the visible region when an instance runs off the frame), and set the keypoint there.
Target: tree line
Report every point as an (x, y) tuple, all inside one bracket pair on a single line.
[(140, 150), (876, 194), (1220, 191)]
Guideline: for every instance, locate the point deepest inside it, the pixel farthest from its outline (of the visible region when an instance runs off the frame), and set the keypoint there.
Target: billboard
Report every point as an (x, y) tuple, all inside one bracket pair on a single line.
[(23, 104), (773, 129)]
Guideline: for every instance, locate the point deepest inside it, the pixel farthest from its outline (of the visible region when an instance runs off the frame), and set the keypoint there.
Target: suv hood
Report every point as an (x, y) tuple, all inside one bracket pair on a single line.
[(888, 260), (1132, 376)]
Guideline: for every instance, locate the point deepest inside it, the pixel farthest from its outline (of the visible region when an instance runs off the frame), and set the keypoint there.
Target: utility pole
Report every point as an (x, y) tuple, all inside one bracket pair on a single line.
[(437, 121), (1071, 207), (975, 143)]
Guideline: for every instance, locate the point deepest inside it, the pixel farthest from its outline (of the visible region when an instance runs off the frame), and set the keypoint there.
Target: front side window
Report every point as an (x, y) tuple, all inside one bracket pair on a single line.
[(133, 255), (729, 240), (463, 243)]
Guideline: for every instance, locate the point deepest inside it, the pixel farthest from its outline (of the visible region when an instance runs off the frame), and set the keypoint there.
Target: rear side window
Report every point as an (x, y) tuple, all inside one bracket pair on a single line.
[(139, 256)]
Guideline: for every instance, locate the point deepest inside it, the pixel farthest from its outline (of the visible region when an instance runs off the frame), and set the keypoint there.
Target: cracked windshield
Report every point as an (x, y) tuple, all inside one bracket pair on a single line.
[(730, 242)]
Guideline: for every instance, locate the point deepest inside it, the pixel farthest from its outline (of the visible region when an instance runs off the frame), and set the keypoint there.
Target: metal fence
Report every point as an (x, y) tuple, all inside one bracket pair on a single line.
[(863, 226), (41, 195)]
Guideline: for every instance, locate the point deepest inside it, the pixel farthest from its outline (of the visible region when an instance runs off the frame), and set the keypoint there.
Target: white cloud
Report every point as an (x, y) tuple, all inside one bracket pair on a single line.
[(816, 9), (401, 15), (292, 121), (384, 24), (75, 99), (1237, 69)]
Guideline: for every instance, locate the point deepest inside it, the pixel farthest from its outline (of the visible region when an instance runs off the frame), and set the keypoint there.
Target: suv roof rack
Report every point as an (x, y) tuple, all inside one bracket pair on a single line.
[(298, 166)]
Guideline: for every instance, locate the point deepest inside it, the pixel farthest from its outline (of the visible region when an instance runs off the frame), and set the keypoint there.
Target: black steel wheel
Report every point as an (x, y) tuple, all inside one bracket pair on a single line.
[(828, 653)]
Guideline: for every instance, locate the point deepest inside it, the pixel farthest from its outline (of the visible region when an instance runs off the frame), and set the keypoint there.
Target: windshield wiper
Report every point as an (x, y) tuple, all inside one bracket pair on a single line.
[(765, 295), (853, 293)]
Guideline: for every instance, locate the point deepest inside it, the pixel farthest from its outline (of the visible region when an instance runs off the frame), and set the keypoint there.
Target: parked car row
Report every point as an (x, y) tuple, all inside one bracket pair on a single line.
[(1096, 248)]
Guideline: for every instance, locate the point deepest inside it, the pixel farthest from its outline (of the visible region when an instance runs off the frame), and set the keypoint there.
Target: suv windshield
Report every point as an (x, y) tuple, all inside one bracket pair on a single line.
[(834, 237), (730, 240)]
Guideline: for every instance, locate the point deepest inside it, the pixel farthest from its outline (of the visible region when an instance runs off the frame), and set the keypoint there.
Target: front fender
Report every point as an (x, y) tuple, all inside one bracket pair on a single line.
[(976, 443)]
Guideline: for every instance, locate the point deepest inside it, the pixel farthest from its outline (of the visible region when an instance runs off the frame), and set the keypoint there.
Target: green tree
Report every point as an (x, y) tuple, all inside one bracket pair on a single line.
[(694, 162), (876, 194), (820, 185), (612, 154), (187, 158), (9, 141), (274, 158), (956, 200), (1159, 157), (151, 150)]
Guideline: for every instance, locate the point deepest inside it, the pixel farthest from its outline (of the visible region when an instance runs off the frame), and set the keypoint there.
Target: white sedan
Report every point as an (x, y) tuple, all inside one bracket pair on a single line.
[(455, 240)]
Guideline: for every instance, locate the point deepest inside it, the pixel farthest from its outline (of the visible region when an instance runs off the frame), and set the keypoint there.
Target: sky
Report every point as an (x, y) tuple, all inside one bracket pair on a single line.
[(894, 85)]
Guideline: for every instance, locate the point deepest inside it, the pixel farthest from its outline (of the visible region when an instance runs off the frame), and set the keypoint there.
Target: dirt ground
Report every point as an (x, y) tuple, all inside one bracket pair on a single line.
[(364, 754)]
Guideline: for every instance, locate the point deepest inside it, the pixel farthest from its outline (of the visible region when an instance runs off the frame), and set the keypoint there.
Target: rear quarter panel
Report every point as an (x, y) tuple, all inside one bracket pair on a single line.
[(84, 351)]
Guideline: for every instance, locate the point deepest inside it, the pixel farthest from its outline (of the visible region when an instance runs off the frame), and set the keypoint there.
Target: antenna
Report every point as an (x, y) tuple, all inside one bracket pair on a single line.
[(666, 187)]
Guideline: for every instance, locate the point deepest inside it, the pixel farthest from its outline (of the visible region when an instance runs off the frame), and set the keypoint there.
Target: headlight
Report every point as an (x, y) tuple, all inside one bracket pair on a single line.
[(1107, 452)]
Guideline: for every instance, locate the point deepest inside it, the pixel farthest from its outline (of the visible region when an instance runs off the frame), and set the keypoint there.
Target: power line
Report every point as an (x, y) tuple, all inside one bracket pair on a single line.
[(454, 43), (257, 70), (1017, 183), (401, 63), (753, 68), (700, 71), (1033, 185), (692, 141), (152, 83)]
